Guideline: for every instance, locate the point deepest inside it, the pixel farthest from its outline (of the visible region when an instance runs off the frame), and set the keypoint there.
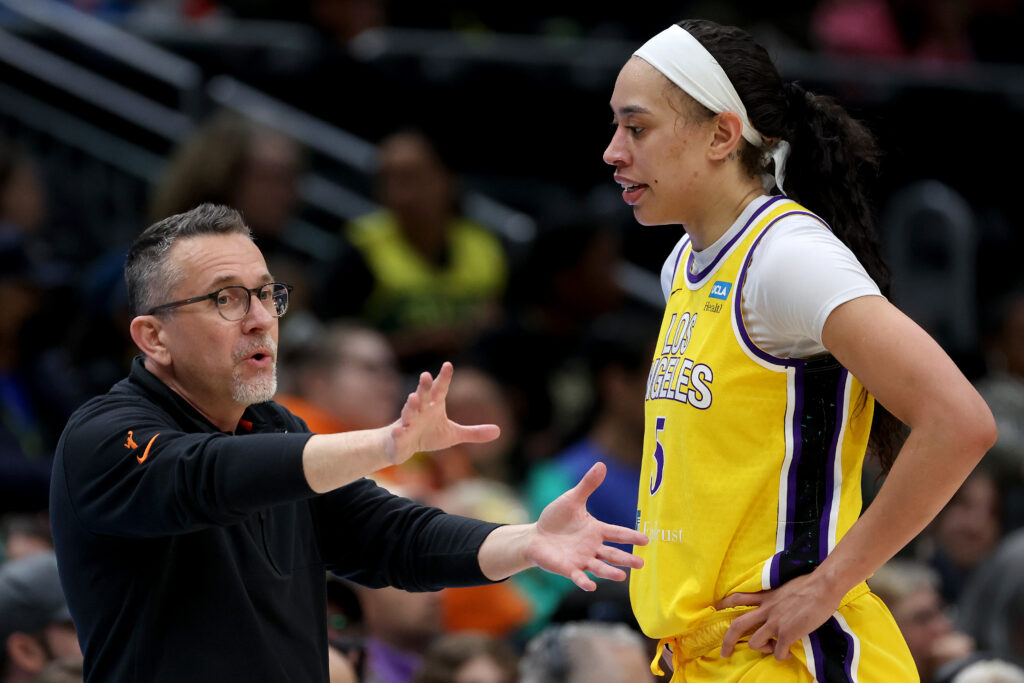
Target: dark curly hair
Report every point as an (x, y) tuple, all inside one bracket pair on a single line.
[(832, 158)]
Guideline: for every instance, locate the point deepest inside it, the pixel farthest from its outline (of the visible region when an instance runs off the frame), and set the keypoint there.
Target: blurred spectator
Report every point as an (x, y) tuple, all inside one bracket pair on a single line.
[(566, 281), (343, 20), (619, 351), (473, 480), (233, 160), (475, 397), (469, 658), (22, 535), (35, 626), (980, 668), (339, 668), (400, 626), (34, 402), (341, 377), (63, 670), (150, 10), (417, 269), (940, 32), (499, 609), (964, 533), (921, 29), (22, 193), (991, 608), (583, 652), (1003, 385), (345, 627), (910, 590)]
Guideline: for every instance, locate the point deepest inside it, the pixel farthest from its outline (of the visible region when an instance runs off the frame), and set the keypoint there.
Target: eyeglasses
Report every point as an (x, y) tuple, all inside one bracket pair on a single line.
[(233, 301)]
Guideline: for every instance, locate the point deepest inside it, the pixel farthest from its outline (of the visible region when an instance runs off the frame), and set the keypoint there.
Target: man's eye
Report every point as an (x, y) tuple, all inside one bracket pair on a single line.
[(224, 299), (265, 294)]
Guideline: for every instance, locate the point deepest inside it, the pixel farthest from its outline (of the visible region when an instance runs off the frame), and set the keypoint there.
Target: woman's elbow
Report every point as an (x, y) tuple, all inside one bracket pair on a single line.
[(979, 430)]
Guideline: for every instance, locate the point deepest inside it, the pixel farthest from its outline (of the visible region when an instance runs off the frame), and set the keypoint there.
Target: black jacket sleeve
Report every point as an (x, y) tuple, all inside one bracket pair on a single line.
[(130, 471), (374, 538)]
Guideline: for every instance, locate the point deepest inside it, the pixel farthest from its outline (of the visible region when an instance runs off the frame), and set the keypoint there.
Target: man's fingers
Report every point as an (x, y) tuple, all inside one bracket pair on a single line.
[(411, 407), (580, 578), (590, 481), (605, 571), (620, 534), (439, 390), (619, 558), (423, 386), (477, 433)]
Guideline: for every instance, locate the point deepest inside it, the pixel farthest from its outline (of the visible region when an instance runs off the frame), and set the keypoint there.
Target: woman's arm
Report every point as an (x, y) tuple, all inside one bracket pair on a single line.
[(951, 429)]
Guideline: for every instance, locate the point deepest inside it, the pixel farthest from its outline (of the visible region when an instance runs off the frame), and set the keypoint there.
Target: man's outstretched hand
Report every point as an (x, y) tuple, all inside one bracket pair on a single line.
[(424, 423), (565, 540)]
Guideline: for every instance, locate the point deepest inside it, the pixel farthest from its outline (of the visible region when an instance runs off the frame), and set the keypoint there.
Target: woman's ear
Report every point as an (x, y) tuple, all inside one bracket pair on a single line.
[(147, 333), (727, 134)]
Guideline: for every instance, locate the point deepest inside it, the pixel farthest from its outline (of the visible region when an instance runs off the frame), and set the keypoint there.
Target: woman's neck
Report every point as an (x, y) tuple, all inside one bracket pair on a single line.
[(720, 215)]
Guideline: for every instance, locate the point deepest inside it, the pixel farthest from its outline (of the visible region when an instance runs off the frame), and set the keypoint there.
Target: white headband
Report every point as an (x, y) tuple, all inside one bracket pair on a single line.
[(683, 60)]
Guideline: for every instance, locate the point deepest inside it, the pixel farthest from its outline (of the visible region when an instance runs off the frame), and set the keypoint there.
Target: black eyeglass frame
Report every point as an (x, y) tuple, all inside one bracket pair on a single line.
[(213, 297)]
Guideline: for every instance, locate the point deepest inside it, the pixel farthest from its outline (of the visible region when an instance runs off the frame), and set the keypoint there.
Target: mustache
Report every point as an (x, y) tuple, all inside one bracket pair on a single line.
[(264, 343)]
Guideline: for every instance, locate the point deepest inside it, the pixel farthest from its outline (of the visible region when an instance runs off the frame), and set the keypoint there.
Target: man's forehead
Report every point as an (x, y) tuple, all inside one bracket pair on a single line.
[(219, 259)]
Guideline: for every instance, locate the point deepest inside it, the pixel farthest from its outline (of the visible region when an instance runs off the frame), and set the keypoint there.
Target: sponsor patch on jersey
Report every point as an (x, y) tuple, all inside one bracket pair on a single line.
[(720, 290)]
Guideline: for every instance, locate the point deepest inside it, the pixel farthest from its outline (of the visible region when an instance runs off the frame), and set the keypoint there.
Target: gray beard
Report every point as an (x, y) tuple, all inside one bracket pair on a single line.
[(260, 390)]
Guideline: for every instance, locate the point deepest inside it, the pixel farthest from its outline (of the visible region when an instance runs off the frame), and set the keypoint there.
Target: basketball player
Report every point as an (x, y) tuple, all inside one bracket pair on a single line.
[(775, 342)]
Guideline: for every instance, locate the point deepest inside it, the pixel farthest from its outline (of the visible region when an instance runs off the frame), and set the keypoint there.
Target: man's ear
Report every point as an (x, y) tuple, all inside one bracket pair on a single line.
[(147, 333), (727, 134), (25, 652)]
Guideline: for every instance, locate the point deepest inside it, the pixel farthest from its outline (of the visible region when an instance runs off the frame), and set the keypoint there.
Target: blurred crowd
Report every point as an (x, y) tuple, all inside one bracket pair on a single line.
[(545, 344)]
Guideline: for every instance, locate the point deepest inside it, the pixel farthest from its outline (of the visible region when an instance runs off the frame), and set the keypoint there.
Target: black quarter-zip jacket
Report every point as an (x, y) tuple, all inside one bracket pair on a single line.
[(191, 554)]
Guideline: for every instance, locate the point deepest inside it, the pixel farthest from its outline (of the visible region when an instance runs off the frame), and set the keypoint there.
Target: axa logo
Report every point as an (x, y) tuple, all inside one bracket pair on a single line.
[(131, 445), (720, 290)]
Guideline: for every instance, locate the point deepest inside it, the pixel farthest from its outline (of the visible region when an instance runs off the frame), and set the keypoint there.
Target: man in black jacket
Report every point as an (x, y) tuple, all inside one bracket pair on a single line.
[(194, 518)]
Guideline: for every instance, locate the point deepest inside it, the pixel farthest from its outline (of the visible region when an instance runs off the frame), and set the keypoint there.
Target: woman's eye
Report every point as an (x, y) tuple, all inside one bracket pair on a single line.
[(635, 130)]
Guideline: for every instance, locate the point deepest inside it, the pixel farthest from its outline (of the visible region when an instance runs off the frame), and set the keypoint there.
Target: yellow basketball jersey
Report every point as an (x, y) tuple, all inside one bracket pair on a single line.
[(752, 463)]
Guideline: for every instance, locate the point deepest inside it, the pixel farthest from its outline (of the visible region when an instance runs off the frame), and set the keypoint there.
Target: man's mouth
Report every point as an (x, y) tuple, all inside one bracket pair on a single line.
[(261, 355)]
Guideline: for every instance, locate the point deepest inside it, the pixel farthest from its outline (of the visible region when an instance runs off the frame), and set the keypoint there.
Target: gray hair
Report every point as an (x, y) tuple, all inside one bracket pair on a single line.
[(559, 652), (990, 671), (898, 578), (147, 272)]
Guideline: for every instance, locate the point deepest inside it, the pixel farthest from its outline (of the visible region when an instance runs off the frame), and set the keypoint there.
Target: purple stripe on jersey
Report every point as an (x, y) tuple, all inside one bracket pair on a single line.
[(675, 268), (794, 463), (830, 466), (817, 667), (849, 651), (832, 649), (774, 578), (794, 466), (738, 309), (694, 279)]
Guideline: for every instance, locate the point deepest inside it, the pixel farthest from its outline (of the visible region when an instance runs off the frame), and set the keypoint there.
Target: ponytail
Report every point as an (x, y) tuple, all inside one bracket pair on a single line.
[(831, 159), (831, 156)]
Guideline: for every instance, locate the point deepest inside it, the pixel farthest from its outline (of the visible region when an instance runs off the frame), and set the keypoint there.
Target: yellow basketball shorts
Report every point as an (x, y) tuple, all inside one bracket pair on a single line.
[(860, 643)]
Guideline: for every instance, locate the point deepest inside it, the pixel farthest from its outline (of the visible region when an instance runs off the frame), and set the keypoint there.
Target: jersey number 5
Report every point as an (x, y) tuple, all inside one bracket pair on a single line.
[(659, 455)]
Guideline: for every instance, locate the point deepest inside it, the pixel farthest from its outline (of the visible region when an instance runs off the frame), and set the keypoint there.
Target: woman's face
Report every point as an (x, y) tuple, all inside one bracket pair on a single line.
[(657, 151)]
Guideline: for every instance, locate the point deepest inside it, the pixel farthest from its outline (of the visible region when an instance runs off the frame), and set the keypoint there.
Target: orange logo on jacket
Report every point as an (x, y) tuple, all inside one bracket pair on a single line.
[(130, 444)]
